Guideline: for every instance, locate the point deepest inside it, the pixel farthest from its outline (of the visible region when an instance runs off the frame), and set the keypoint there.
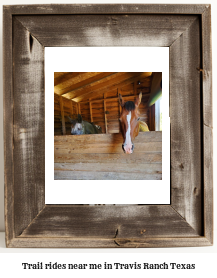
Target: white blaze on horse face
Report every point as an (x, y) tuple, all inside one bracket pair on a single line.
[(128, 143)]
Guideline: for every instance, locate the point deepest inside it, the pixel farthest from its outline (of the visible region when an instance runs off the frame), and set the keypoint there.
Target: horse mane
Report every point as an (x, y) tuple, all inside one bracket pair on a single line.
[(129, 105)]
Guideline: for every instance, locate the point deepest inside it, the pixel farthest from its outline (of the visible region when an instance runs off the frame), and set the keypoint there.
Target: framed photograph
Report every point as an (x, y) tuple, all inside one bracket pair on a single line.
[(110, 105), (90, 125)]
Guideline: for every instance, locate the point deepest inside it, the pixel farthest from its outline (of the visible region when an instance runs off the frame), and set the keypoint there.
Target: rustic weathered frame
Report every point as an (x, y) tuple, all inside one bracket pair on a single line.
[(186, 29)]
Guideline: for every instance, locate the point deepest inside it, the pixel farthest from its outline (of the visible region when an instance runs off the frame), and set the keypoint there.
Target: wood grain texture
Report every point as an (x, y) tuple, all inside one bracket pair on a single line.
[(103, 115), (62, 116), (108, 30), (151, 115), (8, 125), (125, 25), (144, 137), (69, 242), (100, 157), (65, 77), (71, 148), (208, 182), (98, 174), (207, 123), (148, 157), (207, 67), (62, 109), (185, 115), (120, 82), (106, 9), (109, 167), (101, 82), (130, 221), (28, 91)]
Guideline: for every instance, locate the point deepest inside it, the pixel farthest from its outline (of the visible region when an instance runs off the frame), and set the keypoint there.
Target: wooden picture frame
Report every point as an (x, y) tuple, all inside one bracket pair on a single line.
[(186, 30)]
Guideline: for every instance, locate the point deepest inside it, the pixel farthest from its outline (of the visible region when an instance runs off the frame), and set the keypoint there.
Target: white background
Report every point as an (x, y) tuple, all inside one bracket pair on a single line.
[(98, 59), (204, 257)]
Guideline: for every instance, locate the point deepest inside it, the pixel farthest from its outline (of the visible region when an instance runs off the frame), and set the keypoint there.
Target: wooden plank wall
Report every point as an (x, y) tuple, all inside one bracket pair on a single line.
[(69, 108), (85, 111), (152, 118), (105, 110), (100, 156), (57, 116), (98, 114)]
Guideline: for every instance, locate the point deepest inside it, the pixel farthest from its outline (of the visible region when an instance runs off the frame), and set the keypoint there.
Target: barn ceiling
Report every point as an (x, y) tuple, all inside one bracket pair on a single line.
[(84, 86)]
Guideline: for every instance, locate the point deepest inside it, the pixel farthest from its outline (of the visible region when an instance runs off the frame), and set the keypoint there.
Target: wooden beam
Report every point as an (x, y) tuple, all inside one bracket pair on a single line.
[(119, 84), (91, 115), (62, 148), (65, 77), (106, 124), (79, 108), (102, 83), (98, 78), (58, 74), (144, 90), (75, 78), (120, 109), (113, 98), (72, 108), (152, 118), (92, 101), (62, 116), (56, 95)]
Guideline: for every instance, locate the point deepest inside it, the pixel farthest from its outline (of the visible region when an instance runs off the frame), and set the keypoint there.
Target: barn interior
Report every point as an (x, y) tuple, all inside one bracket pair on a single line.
[(94, 95)]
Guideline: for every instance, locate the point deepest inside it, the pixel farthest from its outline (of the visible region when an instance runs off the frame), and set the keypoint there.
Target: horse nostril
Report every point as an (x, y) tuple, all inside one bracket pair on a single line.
[(127, 148), (123, 147)]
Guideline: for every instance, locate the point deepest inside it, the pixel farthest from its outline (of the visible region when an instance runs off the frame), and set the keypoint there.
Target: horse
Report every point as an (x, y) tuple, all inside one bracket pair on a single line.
[(130, 122), (78, 127)]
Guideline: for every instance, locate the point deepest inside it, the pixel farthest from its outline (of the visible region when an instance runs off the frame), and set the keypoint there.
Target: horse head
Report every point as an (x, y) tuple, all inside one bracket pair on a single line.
[(77, 126), (129, 120)]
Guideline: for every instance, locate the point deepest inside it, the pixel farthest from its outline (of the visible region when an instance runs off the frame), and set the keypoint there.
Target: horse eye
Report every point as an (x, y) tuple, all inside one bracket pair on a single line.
[(138, 119)]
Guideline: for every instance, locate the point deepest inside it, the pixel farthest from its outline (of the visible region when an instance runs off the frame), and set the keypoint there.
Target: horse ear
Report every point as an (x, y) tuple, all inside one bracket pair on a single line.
[(138, 99), (79, 118), (121, 101)]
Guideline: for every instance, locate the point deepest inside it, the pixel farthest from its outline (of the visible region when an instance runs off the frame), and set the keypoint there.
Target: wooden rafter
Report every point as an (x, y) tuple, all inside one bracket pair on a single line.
[(65, 77), (62, 116), (100, 77), (71, 107), (58, 74), (70, 78), (102, 83), (91, 114), (104, 106), (119, 84)]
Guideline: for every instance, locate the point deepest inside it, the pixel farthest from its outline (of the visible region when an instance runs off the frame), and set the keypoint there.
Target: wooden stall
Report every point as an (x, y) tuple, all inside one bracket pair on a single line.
[(100, 156)]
